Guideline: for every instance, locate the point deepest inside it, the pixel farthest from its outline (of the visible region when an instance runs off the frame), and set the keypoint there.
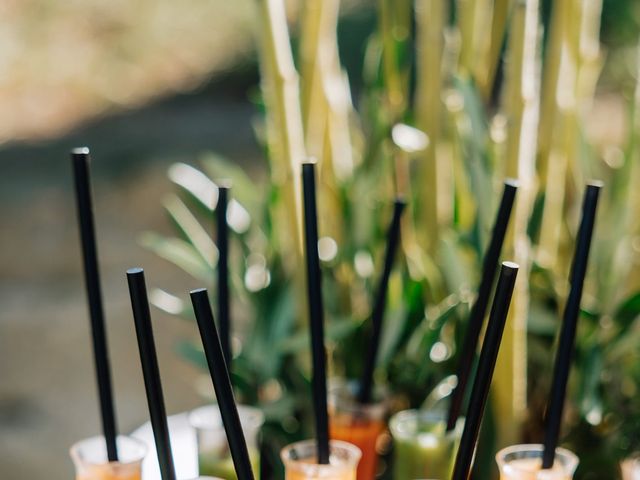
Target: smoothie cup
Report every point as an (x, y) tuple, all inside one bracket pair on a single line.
[(214, 456), (523, 462), (422, 446), (300, 461), (358, 424), (91, 462)]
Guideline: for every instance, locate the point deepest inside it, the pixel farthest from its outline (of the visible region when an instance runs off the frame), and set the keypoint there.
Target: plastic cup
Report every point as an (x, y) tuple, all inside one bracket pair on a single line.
[(422, 447), (300, 461), (214, 456), (358, 424), (523, 462), (91, 462)]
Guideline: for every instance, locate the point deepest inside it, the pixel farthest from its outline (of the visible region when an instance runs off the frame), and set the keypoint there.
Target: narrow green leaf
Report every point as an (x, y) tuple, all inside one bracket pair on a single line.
[(178, 252)]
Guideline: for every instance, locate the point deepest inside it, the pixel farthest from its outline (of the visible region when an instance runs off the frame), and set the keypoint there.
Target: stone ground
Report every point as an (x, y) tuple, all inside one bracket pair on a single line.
[(47, 391)]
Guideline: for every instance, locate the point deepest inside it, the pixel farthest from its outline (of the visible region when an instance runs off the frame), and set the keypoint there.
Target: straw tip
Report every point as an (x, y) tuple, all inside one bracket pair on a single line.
[(512, 183), (198, 291), (309, 162), (595, 184), (135, 271), (80, 151), (224, 183), (400, 201), (510, 266)]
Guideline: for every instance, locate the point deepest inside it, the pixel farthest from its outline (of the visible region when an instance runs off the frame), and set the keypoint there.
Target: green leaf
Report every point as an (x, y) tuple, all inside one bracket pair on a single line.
[(542, 321), (628, 311), (591, 368), (243, 188), (335, 331), (193, 354), (192, 230), (178, 252)]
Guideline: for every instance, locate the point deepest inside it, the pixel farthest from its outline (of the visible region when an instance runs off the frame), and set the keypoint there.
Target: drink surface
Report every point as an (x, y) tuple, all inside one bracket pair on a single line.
[(422, 447), (221, 466), (110, 471), (529, 469), (364, 434), (309, 469)]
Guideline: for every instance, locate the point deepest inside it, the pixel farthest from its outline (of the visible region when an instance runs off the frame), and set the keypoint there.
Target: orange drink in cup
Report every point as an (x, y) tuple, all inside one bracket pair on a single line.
[(90, 459), (300, 461), (358, 424), (524, 462)]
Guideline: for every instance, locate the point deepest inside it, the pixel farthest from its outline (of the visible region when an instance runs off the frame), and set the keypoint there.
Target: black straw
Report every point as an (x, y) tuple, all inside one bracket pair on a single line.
[(316, 313), (486, 366), (150, 371), (569, 324), (80, 162), (479, 308), (223, 272), (377, 314), (222, 384)]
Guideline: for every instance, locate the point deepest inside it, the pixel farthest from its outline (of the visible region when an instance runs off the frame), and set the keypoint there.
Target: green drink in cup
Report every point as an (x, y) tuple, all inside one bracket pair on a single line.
[(422, 446), (214, 456)]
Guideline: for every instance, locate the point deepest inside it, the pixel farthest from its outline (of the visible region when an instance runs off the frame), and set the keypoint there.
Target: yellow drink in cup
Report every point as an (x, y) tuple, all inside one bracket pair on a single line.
[(214, 456), (524, 462), (422, 448), (300, 461), (90, 459)]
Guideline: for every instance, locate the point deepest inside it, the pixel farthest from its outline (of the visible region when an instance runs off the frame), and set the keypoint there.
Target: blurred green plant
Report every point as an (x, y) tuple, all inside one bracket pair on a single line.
[(448, 109)]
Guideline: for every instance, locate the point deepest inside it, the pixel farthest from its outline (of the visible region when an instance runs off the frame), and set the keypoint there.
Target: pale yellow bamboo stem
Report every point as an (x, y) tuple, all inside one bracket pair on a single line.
[(284, 120), (466, 12), (318, 52), (430, 23), (549, 97), (487, 68), (522, 111), (557, 133)]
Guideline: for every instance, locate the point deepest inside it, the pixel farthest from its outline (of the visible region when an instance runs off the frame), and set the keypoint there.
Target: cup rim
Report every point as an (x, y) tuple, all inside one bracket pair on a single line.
[(343, 391), (435, 416), (354, 453), (569, 464), (201, 418), (76, 456)]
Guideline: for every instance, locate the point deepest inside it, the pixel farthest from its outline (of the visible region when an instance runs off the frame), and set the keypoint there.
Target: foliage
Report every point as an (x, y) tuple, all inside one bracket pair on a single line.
[(446, 112)]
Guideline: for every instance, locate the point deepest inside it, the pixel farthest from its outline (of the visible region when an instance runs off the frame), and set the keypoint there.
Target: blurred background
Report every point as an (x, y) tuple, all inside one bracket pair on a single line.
[(143, 84)]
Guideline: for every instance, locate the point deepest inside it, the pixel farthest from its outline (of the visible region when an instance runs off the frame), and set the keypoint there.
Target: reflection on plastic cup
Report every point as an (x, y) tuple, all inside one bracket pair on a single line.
[(206, 478), (422, 446), (214, 456), (358, 424), (523, 462), (91, 462), (300, 461)]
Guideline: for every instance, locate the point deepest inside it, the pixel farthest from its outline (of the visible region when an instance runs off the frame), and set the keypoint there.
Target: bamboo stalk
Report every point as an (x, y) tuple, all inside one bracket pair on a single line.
[(577, 71), (522, 110), (551, 75), (318, 47), (466, 12), (280, 87), (486, 68), (430, 24), (394, 25)]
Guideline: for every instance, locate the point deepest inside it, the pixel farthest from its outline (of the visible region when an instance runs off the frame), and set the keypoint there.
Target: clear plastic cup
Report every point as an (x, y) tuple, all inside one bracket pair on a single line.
[(422, 447), (358, 424), (300, 462), (631, 469), (91, 462), (523, 462), (214, 456)]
